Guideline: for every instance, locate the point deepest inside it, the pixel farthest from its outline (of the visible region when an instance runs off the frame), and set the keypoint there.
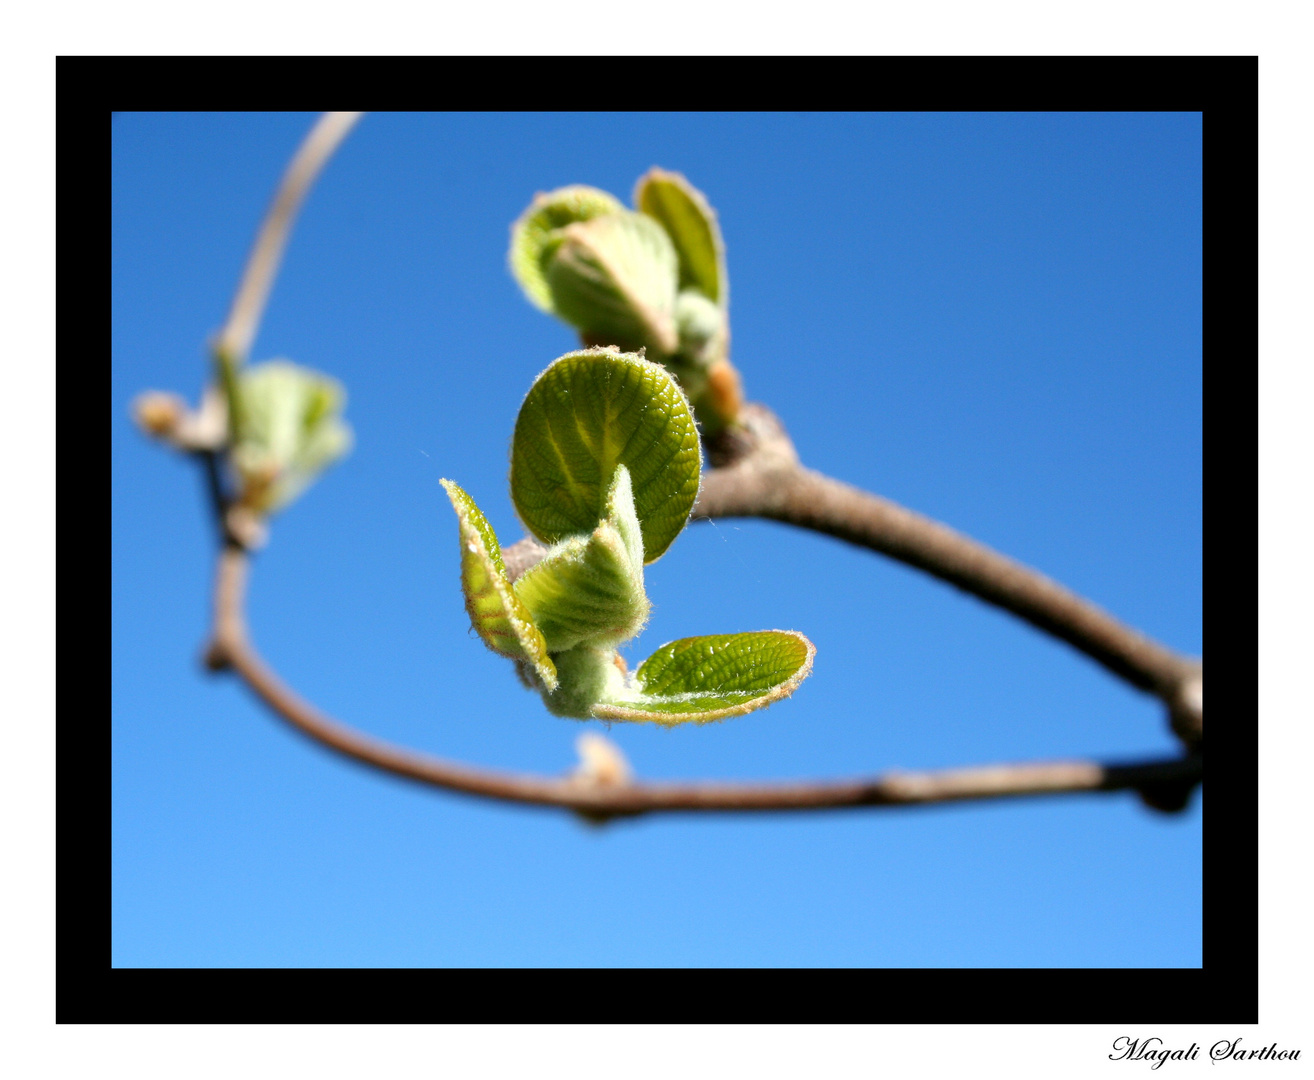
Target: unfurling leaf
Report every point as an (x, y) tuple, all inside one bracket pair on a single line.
[(588, 413), (605, 465), (702, 362), (614, 279), (497, 614), (589, 589), (691, 223), (651, 280), (539, 224), (291, 430)]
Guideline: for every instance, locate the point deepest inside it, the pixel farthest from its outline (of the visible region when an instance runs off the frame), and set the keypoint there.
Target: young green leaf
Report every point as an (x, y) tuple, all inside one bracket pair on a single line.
[(291, 430), (614, 279), (708, 678), (691, 223), (539, 223), (589, 412), (497, 614), (589, 589)]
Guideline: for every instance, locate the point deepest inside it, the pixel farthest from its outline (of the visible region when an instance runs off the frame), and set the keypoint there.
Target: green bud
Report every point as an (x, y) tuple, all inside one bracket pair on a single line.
[(701, 326), (540, 223), (613, 278), (588, 675), (589, 589), (291, 430), (605, 466), (654, 280), (611, 273)]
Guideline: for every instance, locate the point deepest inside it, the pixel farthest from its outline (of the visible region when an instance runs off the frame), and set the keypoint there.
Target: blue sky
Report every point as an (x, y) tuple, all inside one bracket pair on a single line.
[(994, 319)]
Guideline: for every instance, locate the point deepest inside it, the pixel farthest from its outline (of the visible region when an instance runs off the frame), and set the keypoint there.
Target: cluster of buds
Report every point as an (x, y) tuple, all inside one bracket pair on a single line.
[(605, 466), (277, 426), (650, 280)]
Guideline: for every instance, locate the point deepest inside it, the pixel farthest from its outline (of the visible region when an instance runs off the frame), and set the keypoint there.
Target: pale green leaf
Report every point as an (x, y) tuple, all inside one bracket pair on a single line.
[(708, 678), (614, 279), (532, 231), (589, 412), (291, 430), (691, 223), (497, 614)]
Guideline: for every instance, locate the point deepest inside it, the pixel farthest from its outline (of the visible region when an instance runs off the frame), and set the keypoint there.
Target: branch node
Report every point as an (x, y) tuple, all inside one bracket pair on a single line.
[(244, 527), (1163, 786), (216, 657), (758, 434), (1167, 798), (166, 417)]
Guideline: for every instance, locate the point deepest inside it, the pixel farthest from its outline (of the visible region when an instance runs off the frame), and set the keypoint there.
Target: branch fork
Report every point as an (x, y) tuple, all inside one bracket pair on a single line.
[(756, 473)]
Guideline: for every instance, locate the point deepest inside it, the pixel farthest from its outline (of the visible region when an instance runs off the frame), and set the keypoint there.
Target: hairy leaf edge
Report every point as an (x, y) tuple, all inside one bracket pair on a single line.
[(611, 711), (525, 628), (695, 195), (613, 352)]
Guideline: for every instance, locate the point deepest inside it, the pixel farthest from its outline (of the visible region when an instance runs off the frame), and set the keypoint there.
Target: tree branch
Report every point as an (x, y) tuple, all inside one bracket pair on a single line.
[(262, 264), (756, 473), (1164, 784), (760, 476)]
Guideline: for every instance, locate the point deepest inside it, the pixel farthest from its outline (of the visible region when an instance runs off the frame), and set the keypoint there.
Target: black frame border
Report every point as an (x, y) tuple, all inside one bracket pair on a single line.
[(1224, 990)]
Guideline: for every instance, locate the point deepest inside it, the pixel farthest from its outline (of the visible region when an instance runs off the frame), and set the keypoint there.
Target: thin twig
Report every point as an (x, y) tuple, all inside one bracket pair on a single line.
[(1162, 783), (765, 479), (239, 331), (758, 475), (808, 499)]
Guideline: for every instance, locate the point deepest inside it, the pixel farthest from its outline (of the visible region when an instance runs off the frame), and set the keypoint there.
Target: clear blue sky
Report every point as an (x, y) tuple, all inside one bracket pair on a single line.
[(994, 319)]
